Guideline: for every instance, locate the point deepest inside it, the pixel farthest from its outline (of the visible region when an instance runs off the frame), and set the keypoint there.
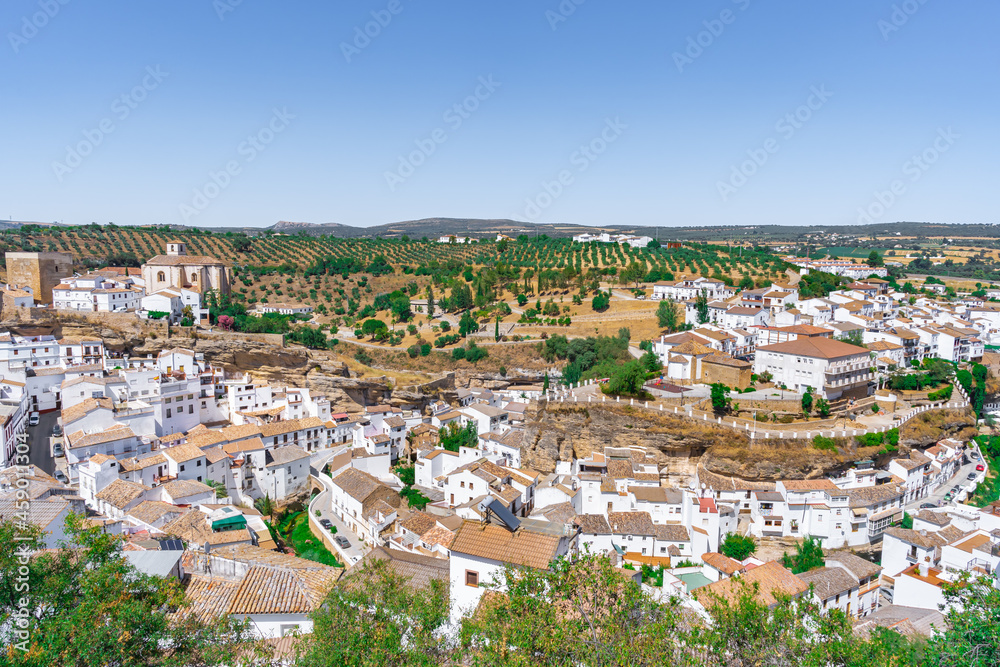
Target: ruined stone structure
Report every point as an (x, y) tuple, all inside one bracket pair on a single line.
[(40, 271)]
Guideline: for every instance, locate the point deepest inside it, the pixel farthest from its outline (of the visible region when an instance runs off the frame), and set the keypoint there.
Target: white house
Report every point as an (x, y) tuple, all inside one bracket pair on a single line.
[(481, 551)]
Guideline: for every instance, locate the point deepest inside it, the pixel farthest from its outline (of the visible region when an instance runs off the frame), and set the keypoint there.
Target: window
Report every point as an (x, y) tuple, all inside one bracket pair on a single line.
[(168, 413), (199, 464), (182, 467), (471, 578), (190, 409), (161, 276)]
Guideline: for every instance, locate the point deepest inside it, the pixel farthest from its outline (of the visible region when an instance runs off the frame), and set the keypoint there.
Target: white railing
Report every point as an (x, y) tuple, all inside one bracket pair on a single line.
[(565, 394)]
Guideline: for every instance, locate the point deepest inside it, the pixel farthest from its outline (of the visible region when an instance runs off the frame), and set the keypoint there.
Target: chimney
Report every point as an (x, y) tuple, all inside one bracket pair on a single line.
[(924, 566)]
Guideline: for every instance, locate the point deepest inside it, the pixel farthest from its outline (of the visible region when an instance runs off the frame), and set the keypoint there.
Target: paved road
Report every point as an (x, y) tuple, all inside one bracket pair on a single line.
[(958, 480), (350, 556), (39, 452)]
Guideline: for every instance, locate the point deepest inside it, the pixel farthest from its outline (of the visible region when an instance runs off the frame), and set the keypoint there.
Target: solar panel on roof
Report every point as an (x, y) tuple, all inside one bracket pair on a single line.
[(171, 545), (489, 505)]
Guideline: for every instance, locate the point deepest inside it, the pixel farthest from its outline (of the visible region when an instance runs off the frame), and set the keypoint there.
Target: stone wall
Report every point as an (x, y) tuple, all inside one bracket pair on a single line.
[(41, 271), (731, 376)]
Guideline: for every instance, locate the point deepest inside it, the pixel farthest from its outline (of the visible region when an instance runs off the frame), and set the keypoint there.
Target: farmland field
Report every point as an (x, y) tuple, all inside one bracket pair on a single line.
[(854, 253), (528, 287)]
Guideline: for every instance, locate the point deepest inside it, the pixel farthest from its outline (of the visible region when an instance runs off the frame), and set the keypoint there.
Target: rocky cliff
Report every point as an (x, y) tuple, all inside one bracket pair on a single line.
[(562, 431), (318, 370)]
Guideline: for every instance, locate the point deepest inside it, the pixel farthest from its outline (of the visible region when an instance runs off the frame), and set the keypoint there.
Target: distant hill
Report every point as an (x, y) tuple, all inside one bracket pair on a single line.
[(480, 229)]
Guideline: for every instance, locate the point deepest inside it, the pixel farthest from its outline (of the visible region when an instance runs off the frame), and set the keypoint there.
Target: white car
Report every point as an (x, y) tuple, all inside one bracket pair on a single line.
[(33, 419)]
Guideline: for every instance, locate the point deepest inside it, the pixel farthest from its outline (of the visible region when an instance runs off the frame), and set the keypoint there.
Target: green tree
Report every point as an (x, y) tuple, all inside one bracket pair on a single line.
[(545, 384), (265, 506), (373, 327), (808, 556), (627, 379), (430, 302), (86, 605), (582, 612), (823, 408), (453, 436), (971, 635), (400, 307), (467, 324), (701, 307), (807, 401), (601, 302), (738, 546), (374, 617), (651, 362), (666, 315), (874, 259), (720, 397)]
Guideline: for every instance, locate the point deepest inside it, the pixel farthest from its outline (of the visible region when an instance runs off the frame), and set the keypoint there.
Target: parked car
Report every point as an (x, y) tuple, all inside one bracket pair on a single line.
[(341, 541), (925, 506), (947, 497), (971, 475), (955, 490), (975, 455), (61, 476), (980, 468), (57, 449), (33, 419), (326, 523), (57, 430)]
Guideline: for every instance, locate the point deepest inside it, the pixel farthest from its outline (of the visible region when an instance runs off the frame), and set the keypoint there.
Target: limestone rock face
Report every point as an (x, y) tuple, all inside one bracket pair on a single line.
[(927, 428), (566, 431)]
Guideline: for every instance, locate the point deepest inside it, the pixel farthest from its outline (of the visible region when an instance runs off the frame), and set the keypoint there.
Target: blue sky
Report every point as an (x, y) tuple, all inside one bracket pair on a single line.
[(233, 113)]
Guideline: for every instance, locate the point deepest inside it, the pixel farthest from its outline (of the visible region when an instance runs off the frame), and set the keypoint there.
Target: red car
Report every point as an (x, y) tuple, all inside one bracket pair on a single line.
[(980, 468)]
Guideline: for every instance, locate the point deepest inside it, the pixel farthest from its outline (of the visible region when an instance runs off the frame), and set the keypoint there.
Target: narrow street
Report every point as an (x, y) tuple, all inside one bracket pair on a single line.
[(39, 449), (959, 479), (350, 556)]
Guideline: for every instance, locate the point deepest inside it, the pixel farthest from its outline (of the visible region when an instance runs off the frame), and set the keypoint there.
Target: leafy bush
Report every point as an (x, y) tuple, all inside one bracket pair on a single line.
[(808, 556), (825, 444), (941, 394), (739, 547), (157, 314)]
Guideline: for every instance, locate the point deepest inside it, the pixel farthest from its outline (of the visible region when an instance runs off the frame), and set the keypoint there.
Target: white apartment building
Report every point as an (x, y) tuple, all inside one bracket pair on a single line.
[(98, 292), (832, 368)]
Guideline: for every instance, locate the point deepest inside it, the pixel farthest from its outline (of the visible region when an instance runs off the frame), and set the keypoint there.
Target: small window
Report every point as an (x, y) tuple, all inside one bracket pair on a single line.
[(471, 578)]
